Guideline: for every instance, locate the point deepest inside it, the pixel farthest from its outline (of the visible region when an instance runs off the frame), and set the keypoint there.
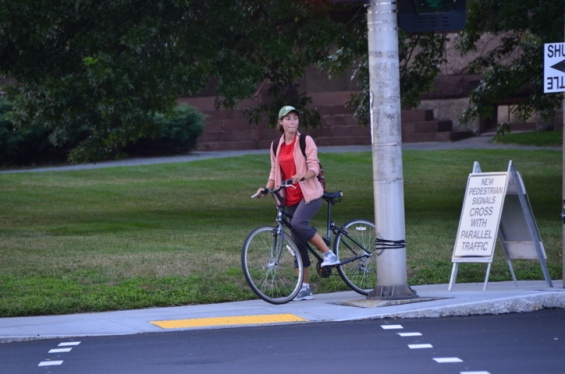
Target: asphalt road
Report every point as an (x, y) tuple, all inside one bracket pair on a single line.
[(490, 344)]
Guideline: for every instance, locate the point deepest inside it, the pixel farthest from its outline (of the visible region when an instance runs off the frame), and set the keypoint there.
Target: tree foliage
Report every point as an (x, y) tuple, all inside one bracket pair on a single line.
[(111, 65), (421, 56), (517, 62)]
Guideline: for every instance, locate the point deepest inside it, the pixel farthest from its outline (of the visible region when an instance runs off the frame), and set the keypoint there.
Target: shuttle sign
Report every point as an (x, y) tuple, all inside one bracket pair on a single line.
[(554, 67)]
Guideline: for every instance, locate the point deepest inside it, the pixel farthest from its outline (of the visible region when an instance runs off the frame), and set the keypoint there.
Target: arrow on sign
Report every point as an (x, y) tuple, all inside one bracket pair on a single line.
[(559, 66)]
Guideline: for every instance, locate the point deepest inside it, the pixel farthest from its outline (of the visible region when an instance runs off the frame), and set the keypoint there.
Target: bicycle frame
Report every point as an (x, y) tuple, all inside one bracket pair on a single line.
[(331, 227)]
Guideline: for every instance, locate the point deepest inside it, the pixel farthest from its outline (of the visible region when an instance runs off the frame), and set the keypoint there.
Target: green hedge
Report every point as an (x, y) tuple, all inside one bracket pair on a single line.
[(23, 147), (179, 134)]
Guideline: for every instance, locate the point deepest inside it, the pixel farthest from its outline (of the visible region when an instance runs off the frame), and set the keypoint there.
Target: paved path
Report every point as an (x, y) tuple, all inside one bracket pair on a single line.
[(478, 142)]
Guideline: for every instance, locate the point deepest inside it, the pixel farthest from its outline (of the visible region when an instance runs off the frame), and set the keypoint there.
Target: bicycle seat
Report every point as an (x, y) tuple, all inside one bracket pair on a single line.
[(332, 197)]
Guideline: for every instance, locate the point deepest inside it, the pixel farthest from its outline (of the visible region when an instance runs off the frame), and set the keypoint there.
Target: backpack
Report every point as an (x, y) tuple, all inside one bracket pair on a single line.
[(302, 141)]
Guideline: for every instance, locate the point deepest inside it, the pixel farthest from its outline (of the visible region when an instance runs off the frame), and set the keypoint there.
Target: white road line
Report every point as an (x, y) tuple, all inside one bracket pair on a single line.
[(408, 334), (392, 327), (50, 363), (60, 350), (447, 360), (419, 346), (475, 372), (66, 344)]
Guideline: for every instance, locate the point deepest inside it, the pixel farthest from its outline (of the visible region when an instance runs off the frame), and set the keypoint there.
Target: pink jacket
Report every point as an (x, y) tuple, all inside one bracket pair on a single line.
[(311, 188)]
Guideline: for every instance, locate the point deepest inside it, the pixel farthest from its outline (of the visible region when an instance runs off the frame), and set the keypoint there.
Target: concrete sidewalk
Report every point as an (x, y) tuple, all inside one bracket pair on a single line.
[(432, 301)]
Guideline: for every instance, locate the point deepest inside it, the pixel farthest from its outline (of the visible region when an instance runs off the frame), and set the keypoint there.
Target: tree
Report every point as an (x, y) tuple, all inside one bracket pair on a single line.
[(517, 62), (110, 65), (107, 65)]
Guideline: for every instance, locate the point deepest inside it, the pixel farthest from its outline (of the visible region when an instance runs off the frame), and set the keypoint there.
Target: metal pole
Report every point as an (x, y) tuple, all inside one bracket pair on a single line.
[(388, 182)]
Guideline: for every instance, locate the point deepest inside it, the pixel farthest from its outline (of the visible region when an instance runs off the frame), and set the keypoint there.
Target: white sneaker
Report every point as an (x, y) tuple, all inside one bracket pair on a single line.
[(329, 259), (304, 294)]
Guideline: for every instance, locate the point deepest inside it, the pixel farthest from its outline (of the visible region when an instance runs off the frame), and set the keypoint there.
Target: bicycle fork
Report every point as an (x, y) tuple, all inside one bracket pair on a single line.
[(277, 250)]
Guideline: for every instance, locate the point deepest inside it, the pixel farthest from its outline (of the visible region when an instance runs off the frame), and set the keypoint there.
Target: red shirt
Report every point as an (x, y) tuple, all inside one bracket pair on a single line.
[(288, 168)]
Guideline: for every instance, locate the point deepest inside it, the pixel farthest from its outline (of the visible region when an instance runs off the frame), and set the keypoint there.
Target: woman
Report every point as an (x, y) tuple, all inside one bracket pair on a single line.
[(304, 201)]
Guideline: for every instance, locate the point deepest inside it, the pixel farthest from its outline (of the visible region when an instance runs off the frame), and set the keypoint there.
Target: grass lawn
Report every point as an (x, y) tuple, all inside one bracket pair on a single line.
[(536, 138), (171, 234)]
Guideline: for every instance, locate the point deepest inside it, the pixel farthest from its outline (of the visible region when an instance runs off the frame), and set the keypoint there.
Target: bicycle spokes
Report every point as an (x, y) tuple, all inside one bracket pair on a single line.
[(271, 265), (355, 247)]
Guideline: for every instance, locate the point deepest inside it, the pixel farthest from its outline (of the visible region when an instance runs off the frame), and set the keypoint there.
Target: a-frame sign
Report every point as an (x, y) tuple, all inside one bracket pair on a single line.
[(496, 204)]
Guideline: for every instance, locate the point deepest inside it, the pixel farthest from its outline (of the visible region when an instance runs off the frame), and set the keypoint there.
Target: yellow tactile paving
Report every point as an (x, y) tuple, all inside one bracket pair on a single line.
[(232, 320)]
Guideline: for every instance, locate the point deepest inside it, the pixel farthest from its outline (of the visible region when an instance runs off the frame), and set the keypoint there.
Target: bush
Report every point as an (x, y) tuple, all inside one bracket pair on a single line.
[(179, 134), (24, 146)]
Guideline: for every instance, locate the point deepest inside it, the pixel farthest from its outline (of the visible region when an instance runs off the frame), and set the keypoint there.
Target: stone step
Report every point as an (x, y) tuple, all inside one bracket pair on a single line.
[(349, 140), (230, 129), (416, 115), (445, 136), (228, 145), (426, 126)]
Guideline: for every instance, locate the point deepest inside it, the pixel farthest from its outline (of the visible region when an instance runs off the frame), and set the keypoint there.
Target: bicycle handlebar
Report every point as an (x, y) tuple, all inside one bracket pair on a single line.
[(264, 191)]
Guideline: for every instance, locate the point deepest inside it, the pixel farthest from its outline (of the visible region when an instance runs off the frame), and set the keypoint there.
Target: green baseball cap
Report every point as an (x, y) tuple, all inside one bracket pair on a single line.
[(287, 109)]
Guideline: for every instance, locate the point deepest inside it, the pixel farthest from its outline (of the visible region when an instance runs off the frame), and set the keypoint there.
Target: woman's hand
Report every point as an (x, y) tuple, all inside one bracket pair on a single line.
[(302, 177), (262, 191)]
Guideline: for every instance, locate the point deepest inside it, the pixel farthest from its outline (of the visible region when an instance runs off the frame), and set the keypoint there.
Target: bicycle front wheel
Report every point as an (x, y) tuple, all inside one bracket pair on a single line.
[(272, 265), (355, 248)]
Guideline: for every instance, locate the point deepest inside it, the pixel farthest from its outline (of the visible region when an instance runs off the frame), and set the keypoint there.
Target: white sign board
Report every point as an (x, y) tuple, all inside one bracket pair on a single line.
[(480, 217), (497, 204), (554, 67)]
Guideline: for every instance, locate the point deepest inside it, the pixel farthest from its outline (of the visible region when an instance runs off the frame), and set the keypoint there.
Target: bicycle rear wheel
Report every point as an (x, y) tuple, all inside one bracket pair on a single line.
[(356, 244), (272, 265)]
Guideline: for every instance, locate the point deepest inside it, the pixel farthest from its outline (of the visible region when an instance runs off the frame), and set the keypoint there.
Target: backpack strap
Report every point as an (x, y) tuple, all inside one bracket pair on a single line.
[(275, 146), (302, 141)]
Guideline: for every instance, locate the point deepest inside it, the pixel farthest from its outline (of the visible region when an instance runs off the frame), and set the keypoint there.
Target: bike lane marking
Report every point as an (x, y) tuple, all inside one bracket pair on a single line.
[(439, 360), (50, 362), (228, 320)]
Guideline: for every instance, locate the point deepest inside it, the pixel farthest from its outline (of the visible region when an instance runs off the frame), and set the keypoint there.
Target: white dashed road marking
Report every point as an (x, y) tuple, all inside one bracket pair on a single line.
[(392, 327), (50, 363), (447, 360), (409, 334), (439, 360), (419, 346), (59, 350), (66, 344)]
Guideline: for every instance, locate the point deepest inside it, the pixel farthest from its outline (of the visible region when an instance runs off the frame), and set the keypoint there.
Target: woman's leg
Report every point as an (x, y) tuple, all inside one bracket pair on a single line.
[(301, 222), (319, 243), (302, 248), (302, 215)]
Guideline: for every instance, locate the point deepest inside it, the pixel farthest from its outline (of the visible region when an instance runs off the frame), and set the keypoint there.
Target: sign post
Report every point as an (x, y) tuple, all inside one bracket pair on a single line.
[(497, 204)]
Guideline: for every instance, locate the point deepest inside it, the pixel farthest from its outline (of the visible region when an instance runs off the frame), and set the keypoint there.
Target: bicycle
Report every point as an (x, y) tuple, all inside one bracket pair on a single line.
[(272, 264)]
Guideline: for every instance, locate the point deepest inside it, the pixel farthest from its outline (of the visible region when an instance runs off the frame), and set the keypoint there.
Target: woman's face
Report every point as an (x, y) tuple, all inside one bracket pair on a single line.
[(289, 122)]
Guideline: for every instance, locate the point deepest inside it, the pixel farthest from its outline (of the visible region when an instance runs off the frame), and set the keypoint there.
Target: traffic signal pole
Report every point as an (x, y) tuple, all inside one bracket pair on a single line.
[(388, 182)]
